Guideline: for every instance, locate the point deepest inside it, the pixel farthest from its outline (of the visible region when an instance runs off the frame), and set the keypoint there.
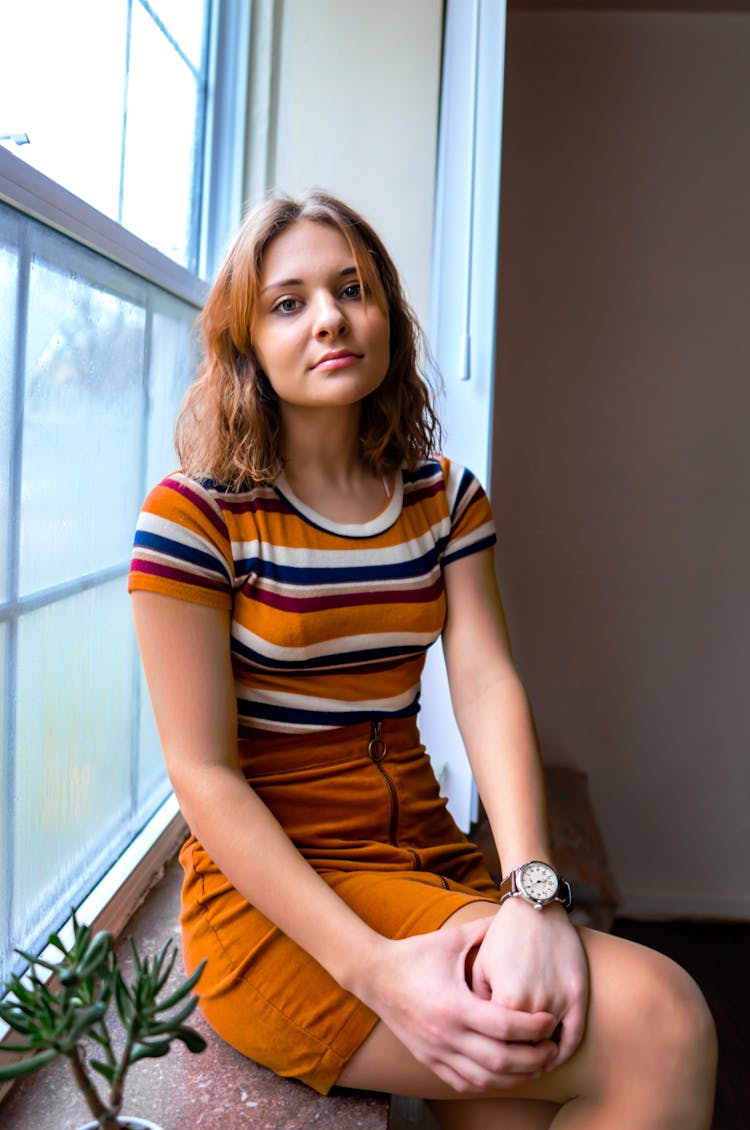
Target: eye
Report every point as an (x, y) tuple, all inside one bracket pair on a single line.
[(353, 290), (287, 306)]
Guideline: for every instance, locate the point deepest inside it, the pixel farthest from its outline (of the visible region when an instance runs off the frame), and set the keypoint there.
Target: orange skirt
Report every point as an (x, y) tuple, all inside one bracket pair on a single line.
[(369, 818)]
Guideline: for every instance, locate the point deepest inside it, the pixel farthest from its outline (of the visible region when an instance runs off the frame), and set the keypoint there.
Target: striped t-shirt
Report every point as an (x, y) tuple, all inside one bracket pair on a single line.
[(329, 622)]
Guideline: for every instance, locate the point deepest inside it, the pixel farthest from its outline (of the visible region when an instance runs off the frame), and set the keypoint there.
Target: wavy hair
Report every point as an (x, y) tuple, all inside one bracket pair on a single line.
[(229, 426)]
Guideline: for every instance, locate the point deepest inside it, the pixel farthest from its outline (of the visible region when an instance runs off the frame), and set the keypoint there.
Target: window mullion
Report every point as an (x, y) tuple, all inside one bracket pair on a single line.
[(13, 548)]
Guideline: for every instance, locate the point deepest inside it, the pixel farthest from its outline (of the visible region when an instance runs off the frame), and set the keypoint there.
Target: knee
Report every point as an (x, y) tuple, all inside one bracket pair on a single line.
[(677, 1031)]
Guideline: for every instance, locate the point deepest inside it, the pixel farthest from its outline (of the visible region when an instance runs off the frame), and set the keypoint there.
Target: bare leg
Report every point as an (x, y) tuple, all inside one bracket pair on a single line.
[(487, 1114), (647, 1061)]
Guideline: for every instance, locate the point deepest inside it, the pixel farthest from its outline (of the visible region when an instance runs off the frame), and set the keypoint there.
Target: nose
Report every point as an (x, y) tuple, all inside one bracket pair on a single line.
[(328, 317)]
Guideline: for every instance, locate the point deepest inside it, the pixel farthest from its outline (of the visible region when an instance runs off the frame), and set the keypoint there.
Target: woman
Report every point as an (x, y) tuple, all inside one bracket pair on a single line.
[(286, 584)]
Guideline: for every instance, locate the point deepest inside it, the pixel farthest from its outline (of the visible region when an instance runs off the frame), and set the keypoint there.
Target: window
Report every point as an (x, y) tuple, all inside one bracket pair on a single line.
[(95, 361), (96, 350), (110, 103)]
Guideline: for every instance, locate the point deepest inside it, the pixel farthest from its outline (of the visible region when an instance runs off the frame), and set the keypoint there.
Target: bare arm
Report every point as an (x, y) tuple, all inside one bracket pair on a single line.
[(529, 960), (493, 713), (185, 653)]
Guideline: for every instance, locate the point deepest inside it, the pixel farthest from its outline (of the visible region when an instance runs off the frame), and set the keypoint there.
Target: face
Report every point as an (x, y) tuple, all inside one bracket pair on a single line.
[(316, 340)]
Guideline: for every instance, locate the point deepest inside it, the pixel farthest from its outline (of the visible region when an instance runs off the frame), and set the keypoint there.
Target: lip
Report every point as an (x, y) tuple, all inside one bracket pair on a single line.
[(337, 359)]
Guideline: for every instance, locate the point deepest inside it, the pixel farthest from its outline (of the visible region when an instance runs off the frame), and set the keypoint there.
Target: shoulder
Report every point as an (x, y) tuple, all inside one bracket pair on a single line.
[(187, 498), (179, 495), (443, 475)]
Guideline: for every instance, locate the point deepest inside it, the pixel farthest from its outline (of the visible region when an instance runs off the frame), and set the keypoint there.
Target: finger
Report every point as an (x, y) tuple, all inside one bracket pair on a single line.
[(502, 1059), (466, 1075), (493, 1019), (573, 1027), (470, 934)]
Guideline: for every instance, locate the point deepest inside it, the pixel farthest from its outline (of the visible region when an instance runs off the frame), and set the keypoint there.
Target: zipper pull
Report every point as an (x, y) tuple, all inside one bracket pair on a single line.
[(377, 749)]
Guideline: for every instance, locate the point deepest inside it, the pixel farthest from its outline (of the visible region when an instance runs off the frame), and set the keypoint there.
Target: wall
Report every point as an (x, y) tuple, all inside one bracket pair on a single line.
[(621, 454), (355, 111)]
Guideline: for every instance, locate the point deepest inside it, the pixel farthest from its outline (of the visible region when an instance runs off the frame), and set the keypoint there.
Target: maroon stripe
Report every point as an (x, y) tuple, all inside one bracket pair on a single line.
[(200, 504), (411, 497), (253, 505), (138, 565), (345, 600)]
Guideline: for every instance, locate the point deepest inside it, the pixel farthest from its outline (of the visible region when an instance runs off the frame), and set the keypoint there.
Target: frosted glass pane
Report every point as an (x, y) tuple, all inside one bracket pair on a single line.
[(61, 81), (74, 749), (160, 144), (8, 281), (82, 428), (172, 366), (185, 20)]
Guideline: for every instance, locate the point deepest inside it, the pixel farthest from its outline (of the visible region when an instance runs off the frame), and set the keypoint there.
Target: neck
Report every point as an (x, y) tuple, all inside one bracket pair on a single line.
[(322, 442)]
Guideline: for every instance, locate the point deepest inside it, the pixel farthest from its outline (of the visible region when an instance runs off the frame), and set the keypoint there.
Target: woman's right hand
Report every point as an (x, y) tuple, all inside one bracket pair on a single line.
[(420, 991)]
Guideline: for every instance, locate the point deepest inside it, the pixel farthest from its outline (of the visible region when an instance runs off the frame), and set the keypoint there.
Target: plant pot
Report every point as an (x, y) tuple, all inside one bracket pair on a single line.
[(126, 1124)]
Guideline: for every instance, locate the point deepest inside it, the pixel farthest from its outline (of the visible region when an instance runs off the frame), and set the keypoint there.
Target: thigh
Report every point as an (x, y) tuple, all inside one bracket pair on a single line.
[(493, 1114), (639, 1001)]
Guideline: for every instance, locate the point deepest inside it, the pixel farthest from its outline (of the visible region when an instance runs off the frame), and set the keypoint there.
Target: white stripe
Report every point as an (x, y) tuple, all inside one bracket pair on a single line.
[(473, 536), (196, 571), (291, 701), (163, 527), (303, 591), (308, 557), (284, 727), (339, 645)]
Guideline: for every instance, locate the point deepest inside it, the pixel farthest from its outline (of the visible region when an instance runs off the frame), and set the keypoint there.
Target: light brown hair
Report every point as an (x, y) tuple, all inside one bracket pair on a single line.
[(229, 426)]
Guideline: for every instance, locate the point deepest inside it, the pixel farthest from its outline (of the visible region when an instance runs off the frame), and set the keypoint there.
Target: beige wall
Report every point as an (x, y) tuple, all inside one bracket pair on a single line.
[(356, 109), (621, 453)]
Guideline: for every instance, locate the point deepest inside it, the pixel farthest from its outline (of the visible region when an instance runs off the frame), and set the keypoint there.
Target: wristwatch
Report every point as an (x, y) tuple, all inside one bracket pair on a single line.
[(538, 883)]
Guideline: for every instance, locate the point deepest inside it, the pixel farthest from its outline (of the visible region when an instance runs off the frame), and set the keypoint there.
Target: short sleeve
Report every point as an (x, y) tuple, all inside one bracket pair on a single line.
[(472, 527), (182, 547)]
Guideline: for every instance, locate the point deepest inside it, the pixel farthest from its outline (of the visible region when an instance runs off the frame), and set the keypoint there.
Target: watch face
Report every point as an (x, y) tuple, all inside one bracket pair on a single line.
[(538, 881)]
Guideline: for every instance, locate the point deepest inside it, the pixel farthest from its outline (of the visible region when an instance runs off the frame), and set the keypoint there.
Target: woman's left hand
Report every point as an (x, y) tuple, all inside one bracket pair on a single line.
[(533, 961)]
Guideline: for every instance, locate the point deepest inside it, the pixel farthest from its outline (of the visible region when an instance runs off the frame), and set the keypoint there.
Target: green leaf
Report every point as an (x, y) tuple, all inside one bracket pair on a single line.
[(172, 1023), (27, 1066), (33, 960), (17, 1047), (182, 990), (97, 953), (23, 994), (192, 1040), (123, 999), (108, 1070), (85, 1019), (17, 1019), (149, 1051)]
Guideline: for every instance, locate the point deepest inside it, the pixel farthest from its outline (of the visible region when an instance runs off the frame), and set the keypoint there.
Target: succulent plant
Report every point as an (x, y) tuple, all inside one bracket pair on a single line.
[(66, 1012)]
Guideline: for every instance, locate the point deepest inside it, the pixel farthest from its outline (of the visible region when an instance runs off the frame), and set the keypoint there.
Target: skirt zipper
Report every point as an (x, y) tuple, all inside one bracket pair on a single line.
[(376, 751)]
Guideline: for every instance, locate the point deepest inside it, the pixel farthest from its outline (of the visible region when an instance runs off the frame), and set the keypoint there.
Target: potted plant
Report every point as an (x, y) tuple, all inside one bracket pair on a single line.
[(66, 1013)]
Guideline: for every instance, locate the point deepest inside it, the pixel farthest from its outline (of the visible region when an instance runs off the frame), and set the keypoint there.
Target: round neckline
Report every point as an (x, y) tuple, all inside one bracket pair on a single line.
[(382, 521)]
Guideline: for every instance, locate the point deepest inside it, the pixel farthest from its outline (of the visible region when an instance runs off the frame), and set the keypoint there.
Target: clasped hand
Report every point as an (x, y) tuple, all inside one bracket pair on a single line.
[(522, 1013)]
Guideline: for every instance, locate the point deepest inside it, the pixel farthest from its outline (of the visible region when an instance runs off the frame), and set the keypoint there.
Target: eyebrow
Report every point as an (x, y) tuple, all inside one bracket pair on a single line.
[(347, 272)]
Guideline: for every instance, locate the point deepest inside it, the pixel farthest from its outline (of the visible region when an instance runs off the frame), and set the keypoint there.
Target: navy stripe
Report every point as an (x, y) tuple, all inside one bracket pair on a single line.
[(467, 480), (346, 574), (427, 470), (318, 718), (337, 661), (475, 547), (180, 552)]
